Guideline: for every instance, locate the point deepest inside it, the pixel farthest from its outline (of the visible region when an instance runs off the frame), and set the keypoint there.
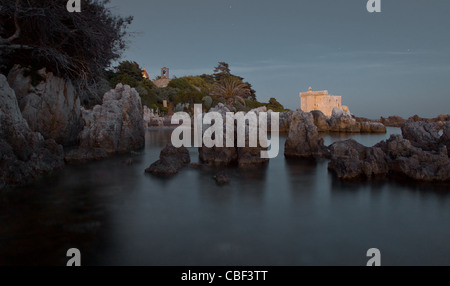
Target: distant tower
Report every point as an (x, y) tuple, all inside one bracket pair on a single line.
[(165, 72)]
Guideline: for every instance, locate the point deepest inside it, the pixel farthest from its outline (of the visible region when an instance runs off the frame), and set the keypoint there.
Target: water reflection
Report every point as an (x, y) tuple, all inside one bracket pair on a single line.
[(291, 212)]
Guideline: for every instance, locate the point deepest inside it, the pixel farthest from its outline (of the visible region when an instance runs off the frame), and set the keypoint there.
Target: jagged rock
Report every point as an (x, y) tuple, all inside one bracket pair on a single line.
[(392, 121), (445, 138), (351, 160), (171, 161), (285, 121), (117, 125), (406, 160), (341, 121), (24, 154), (218, 156), (303, 139), (320, 120), (421, 134), (222, 178), (51, 106)]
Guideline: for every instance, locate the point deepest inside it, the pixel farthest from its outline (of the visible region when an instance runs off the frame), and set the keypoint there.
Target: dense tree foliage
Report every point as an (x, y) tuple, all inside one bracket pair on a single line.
[(42, 33)]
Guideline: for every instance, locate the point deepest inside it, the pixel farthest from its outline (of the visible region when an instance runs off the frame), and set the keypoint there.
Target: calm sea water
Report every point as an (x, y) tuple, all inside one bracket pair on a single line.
[(289, 213)]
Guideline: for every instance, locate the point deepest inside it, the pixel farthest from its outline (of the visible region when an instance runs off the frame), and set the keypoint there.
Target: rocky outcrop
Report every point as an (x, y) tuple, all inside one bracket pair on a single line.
[(116, 126), (351, 160), (422, 134), (24, 154), (285, 121), (244, 157), (303, 139), (395, 156), (408, 161), (341, 121), (445, 138), (48, 103), (392, 121), (171, 161)]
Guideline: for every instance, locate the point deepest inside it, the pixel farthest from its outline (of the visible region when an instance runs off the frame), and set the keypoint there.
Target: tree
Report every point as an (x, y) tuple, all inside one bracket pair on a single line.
[(43, 33), (231, 90), (222, 71)]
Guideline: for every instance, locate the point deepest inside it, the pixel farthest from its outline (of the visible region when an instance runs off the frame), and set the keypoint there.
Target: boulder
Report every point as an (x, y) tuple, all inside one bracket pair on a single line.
[(341, 121), (117, 125), (422, 134), (48, 103), (351, 160), (24, 154), (303, 139), (372, 127), (222, 178), (392, 121), (171, 161)]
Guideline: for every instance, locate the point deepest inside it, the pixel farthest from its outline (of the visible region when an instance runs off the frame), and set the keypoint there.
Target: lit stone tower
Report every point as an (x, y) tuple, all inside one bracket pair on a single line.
[(165, 72)]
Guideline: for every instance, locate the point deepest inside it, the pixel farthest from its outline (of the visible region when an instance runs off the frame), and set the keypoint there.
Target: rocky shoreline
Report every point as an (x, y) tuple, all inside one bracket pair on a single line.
[(43, 127)]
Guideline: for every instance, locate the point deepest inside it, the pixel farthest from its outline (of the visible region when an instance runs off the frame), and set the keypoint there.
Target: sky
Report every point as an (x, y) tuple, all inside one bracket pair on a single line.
[(393, 62)]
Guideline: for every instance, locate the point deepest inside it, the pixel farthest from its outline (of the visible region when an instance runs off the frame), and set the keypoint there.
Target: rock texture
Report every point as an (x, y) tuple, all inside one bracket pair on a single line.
[(422, 134), (341, 121), (303, 139), (395, 156), (222, 178), (24, 154), (51, 106), (171, 161), (351, 160), (408, 161), (285, 121), (445, 138), (224, 156), (392, 121)]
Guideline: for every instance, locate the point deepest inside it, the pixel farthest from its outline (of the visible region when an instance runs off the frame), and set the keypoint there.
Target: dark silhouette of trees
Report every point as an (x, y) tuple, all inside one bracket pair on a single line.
[(42, 33)]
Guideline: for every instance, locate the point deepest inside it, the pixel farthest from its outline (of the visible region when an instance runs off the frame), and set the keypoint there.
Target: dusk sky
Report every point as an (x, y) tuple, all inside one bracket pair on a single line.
[(393, 62)]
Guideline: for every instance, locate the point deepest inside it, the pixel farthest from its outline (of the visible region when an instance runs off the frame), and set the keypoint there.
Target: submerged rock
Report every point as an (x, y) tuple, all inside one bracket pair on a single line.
[(49, 104), (171, 161), (24, 154), (222, 178), (303, 139)]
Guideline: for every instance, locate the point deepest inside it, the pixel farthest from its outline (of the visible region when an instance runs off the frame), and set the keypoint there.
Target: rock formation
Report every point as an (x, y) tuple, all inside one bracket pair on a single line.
[(24, 154), (341, 121), (408, 161), (50, 104), (445, 138), (303, 139), (225, 156), (392, 121), (171, 161), (422, 134), (395, 156), (351, 160), (116, 126)]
